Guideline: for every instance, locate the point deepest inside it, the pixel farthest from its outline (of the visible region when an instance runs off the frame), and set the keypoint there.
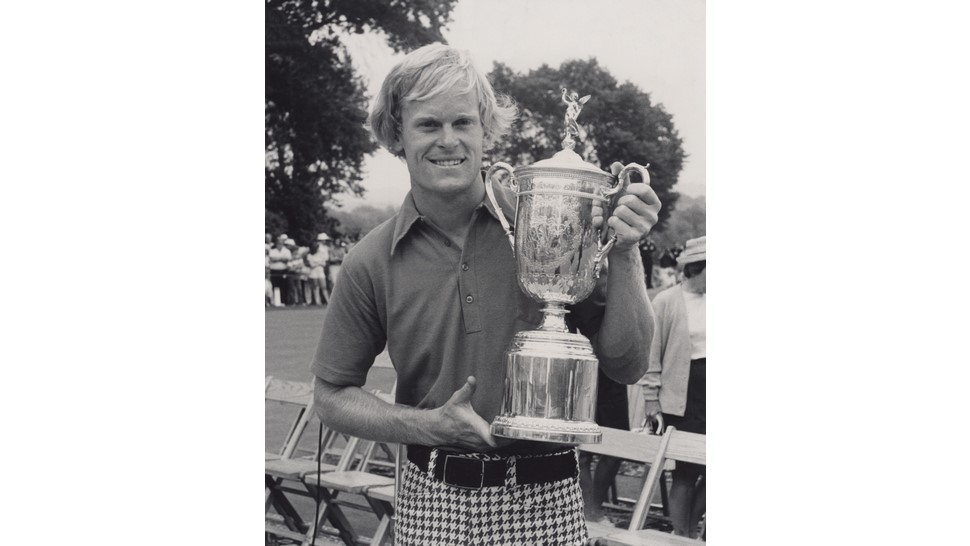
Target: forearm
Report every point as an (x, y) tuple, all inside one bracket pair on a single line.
[(354, 411), (624, 337)]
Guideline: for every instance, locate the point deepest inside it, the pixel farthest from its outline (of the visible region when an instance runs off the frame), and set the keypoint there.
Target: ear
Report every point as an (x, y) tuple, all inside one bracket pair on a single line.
[(396, 146)]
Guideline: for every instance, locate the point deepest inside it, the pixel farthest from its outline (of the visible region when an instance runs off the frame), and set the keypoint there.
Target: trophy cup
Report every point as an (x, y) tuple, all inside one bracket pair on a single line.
[(551, 374)]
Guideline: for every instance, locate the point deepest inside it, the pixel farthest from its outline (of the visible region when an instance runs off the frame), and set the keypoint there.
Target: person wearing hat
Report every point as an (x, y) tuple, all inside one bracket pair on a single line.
[(279, 257), (317, 260), (675, 382)]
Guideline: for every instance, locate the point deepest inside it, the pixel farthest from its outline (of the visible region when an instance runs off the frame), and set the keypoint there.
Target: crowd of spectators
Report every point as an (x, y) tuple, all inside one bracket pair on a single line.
[(302, 275)]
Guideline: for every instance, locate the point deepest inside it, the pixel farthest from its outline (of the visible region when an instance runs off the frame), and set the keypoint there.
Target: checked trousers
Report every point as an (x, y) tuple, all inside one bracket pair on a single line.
[(431, 513)]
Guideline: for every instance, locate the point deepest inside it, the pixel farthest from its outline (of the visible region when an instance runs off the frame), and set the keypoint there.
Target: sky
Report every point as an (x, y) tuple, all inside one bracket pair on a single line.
[(659, 45)]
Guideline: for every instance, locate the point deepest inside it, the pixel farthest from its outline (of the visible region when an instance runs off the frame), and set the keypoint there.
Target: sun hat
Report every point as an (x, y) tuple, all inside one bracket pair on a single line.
[(695, 251), (323, 237)]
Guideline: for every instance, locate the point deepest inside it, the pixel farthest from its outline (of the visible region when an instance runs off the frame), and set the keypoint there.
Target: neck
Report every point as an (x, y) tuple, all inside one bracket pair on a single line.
[(696, 285), (449, 212)]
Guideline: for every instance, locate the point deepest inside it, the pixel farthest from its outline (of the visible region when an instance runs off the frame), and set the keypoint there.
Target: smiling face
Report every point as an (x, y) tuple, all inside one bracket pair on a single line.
[(442, 139)]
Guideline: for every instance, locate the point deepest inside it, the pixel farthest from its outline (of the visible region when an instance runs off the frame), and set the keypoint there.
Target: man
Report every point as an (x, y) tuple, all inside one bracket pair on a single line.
[(279, 257), (294, 269), (437, 284)]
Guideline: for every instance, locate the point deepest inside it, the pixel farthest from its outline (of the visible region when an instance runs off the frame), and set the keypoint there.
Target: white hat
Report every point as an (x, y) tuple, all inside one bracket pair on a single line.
[(289, 242), (323, 237), (695, 251)]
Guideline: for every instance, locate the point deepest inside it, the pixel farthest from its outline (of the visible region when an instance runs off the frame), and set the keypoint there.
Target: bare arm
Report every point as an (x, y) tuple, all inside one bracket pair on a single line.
[(624, 338), (352, 410), (625, 335)]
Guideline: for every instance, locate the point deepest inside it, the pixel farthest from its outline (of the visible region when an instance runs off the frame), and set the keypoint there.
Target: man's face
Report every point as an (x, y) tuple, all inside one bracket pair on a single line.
[(442, 139)]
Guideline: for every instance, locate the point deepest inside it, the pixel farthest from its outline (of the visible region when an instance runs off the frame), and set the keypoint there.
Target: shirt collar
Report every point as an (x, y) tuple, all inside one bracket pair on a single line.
[(409, 214), (406, 218)]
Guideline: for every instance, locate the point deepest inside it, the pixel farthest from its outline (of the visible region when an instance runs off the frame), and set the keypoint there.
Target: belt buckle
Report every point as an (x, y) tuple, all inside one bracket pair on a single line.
[(481, 472)]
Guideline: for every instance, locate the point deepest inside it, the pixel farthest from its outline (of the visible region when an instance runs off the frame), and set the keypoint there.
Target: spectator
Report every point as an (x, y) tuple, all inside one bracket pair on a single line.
[(269, 285), (647, 248), (336, 261), (611, 411), (317, 260), (279, 257), (294, 267), (664, 274), (676, 379)]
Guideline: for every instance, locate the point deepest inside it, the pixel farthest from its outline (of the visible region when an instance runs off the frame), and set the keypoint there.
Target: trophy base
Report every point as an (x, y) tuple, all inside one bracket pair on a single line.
[(547, 430)]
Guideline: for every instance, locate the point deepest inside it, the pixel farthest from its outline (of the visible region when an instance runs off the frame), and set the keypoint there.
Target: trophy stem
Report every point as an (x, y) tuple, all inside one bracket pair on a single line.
[(554, 317)]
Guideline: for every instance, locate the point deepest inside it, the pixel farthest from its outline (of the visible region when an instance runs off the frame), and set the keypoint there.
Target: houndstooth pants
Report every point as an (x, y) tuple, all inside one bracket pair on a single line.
[(431, 513)]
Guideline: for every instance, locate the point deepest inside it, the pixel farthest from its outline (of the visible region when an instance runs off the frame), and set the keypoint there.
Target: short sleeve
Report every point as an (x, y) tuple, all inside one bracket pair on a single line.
[(353, 334)]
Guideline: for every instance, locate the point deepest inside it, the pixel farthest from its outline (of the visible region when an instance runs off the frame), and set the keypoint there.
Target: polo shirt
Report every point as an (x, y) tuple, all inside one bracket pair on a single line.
[(444, 312)]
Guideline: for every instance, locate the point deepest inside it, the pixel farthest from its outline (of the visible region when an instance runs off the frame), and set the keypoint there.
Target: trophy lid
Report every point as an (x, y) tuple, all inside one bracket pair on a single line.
[(567, 159)]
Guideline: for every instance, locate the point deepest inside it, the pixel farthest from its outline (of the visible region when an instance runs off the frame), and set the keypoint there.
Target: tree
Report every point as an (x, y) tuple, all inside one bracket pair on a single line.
[(316, 107), (619, 123), (687, 221), (357, 222)]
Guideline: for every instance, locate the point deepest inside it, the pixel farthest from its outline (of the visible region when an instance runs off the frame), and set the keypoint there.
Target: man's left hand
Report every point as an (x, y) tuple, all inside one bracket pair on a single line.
[(635, 213)]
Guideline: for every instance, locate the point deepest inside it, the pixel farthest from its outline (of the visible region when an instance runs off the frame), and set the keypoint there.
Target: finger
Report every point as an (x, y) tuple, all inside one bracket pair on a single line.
[(630, 228), (644, 192), (616, 167), (636, 216), (484, 431), (464, 394)]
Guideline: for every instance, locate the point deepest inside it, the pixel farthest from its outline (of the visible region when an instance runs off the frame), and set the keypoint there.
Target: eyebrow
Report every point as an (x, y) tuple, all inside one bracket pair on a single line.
[(432, 117)]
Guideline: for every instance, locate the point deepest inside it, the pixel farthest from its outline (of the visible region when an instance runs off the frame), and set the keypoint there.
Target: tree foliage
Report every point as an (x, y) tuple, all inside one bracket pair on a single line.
[(687, 221), (357, 222), (316, 107), (619, 123)]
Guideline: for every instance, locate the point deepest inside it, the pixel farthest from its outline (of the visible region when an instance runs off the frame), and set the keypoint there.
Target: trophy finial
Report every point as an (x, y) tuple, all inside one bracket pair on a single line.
[(574, 105)]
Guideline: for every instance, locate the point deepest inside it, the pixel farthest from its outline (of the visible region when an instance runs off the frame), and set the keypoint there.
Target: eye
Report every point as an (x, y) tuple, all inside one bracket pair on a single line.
[(464, 122), (428, 124)]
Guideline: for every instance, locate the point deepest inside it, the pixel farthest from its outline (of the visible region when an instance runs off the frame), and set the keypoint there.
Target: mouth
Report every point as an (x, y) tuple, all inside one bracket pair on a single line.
[(447, 162)]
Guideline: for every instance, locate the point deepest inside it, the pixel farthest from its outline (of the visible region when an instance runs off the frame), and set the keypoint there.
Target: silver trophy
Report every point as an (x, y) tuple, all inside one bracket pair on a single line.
[(551, 374)]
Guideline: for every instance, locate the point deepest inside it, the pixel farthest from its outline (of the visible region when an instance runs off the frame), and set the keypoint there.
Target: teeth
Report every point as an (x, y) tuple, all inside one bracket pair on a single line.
[(447, 162)]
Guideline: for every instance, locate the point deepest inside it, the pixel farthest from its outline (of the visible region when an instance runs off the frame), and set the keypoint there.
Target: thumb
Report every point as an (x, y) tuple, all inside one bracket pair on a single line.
[(464, 394)]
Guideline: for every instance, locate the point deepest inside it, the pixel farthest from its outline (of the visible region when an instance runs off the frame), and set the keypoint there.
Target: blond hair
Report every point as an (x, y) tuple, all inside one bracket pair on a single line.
[(426, 73)]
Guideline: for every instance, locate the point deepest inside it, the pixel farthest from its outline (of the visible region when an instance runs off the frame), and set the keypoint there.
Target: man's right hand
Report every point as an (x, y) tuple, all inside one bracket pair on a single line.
[(461, 426)]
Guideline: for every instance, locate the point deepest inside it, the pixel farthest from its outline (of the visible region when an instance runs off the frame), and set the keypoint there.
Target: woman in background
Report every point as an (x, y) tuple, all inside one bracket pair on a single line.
[(675, 383)]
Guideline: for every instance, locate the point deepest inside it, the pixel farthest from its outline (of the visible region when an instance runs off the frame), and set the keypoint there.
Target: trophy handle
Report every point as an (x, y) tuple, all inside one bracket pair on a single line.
[(622, 181), (514, 184)]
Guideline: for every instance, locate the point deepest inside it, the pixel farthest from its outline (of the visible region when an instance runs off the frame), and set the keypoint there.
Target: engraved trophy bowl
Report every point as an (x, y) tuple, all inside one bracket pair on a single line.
[(551, 374)]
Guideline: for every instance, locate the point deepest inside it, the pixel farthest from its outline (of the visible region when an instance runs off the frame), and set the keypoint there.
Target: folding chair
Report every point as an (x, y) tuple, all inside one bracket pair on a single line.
[(290, 463), (638, 447), (675, 446), (360, 481)]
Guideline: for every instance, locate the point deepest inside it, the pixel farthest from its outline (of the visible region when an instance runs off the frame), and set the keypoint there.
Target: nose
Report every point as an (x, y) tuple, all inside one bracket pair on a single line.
[(449, 138)]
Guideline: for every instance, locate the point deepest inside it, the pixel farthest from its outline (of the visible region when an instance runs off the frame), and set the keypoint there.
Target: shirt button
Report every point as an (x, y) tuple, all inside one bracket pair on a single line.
[(464, 267), (469, 299)]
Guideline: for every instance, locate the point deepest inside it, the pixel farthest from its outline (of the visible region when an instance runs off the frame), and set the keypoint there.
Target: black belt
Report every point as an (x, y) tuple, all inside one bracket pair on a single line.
[(462, 470)]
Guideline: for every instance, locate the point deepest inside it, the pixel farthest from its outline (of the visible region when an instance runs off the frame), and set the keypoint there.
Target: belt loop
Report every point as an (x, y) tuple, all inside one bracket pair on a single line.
[(432, 461), (510, 480)]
